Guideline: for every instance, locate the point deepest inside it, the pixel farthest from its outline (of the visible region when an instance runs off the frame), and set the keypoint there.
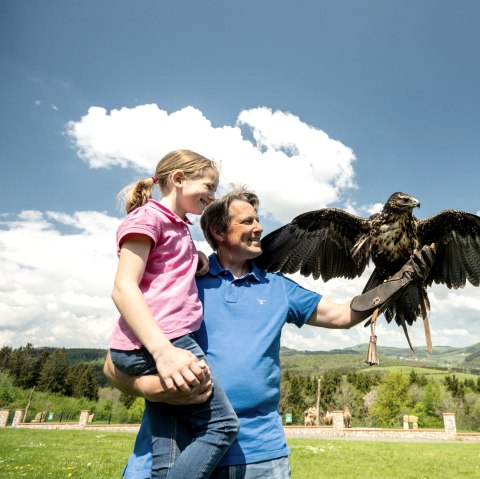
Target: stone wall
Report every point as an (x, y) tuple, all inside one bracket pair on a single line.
[(337, 430), (4, 417)]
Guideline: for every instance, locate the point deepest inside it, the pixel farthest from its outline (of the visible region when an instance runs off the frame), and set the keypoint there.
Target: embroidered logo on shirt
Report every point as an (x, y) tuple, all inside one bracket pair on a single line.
[(261, 301)]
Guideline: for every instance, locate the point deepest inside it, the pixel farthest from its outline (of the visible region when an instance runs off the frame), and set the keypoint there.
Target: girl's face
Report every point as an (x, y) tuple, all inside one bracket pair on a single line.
[(199, 192)]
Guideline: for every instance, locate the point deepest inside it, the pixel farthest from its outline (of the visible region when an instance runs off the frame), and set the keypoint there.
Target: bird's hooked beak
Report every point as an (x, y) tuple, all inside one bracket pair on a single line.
[(414, 202)]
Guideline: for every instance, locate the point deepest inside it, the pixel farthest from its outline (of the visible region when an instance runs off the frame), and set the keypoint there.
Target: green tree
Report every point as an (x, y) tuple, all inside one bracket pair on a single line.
[(428, 409), (7, 392), (24, 366), (416, 378), (364, 382), (5, 358), (135, 411), (330, 383), (103, 409), (475, 416), (393, 400), (54, 373), (82, 382), (456, 387)]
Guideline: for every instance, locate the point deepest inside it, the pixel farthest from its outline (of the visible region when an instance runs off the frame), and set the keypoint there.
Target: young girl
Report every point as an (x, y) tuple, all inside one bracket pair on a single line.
[(156, 295)]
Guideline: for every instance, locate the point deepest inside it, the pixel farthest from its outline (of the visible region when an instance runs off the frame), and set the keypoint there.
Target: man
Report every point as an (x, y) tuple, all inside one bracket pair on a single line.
[(245, 309)]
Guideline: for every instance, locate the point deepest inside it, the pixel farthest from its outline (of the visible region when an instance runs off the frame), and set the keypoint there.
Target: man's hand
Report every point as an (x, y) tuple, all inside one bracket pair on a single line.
[(179, 369), (150, 387)]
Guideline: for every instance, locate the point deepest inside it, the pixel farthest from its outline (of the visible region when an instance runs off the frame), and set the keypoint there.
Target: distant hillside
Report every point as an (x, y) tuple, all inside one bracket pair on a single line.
[(443, 357), (80, 355), (316, 362)]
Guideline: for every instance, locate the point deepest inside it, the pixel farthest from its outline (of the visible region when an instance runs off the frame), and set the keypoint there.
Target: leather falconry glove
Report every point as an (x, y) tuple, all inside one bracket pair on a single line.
[(415, 270)]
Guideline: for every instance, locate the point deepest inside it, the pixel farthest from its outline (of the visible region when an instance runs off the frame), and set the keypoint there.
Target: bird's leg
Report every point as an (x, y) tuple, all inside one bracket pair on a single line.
[(372, 354), (426, 327)]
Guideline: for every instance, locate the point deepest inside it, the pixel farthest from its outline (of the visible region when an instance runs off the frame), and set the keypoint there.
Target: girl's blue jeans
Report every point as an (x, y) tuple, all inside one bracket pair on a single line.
[(213, 424)]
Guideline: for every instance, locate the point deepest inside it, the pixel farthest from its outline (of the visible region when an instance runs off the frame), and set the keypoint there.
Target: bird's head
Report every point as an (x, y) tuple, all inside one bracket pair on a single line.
[(401, 202)]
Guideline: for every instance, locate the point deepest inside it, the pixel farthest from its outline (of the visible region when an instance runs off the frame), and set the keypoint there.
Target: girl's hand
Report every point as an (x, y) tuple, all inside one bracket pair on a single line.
[(179, 369), (203, 264), (151, 388)]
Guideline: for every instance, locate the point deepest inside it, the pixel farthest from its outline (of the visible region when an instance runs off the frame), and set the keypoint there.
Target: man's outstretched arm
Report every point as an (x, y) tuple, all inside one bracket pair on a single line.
[(151, 388)]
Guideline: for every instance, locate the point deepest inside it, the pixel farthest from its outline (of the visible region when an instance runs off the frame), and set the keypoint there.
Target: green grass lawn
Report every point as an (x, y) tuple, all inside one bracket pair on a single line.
[(314, 459), (100, 455)]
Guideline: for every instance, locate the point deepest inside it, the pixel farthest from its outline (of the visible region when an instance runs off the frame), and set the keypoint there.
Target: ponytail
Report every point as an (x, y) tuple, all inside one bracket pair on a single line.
[(137, 194)]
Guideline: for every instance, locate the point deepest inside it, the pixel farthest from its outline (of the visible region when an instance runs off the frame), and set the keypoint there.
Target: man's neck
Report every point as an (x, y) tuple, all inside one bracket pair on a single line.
[(236, 267)]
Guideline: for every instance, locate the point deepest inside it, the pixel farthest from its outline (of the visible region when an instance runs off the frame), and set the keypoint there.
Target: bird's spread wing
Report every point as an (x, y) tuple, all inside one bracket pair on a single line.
[(329, 242), (457, 238)]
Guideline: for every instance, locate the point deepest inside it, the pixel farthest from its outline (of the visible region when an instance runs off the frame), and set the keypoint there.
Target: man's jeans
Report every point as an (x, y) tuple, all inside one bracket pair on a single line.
[(213, 425), (273, 469)]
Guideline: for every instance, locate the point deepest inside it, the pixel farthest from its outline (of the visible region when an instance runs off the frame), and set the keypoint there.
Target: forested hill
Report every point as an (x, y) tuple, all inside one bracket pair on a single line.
[(80, 355), (445, 357), (467, 358), (464, 359)]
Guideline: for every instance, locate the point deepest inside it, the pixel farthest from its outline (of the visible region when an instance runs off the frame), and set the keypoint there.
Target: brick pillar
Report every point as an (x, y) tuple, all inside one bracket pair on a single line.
[(4, 417), (83, 417), (18, 417), (338, 423), (450, 425)]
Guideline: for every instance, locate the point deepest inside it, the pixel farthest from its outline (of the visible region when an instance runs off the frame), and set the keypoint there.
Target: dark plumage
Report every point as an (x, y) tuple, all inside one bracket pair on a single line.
[(331, 243)]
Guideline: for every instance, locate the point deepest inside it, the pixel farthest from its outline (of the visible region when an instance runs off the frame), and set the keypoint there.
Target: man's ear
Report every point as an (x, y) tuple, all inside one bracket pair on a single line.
[(218, 235)]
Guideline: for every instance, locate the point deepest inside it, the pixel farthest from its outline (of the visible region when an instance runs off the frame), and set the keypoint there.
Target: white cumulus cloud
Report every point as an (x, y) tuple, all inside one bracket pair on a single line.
[(292, 166)]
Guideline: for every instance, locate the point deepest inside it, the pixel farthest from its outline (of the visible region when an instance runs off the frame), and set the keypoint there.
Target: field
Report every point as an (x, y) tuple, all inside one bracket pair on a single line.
[(38, 454)]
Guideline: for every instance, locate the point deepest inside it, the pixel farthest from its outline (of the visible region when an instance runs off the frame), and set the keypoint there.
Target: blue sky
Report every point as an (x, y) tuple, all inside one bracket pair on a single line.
[(310, 103)]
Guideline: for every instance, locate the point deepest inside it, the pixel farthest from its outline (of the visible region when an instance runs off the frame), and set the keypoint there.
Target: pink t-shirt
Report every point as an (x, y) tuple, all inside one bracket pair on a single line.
[(168, 283)]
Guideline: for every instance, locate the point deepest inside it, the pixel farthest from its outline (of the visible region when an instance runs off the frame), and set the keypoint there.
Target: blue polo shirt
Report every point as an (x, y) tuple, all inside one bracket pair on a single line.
[(240, 334)]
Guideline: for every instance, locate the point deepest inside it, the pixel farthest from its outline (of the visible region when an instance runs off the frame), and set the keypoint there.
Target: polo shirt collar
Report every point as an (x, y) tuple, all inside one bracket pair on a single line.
[(216, 269), (169, 213)]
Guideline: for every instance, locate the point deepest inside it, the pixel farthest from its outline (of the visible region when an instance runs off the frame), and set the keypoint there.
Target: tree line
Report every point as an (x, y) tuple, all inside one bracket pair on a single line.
[(378, 399), (49, 371)]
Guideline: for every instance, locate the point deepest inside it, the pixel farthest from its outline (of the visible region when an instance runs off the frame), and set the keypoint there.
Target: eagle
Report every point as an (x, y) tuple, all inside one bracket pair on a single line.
[(332, 243)]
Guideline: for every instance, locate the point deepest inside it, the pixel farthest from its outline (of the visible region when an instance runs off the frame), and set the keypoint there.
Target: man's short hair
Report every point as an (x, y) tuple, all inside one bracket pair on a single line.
[(216, 216)]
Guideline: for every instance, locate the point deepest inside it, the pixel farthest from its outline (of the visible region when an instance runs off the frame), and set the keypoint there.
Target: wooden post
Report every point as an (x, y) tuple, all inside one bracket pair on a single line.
[(29, 401), (318, 401)]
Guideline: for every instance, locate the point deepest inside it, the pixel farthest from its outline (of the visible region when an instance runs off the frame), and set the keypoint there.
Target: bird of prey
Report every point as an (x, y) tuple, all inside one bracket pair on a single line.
[(331, 243)]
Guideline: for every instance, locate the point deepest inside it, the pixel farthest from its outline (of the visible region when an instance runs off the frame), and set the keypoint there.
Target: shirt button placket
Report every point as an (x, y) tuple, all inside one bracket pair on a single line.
[(232, 293)]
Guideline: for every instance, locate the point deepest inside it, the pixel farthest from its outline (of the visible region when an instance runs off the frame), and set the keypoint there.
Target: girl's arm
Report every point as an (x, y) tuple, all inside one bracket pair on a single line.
[(176, 367)]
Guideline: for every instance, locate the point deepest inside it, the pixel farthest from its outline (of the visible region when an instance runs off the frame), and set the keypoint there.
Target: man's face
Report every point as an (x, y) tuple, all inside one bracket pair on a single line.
[(242, 237)]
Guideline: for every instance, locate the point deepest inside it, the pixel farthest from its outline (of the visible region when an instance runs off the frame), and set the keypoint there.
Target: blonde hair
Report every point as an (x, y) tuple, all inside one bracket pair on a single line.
[(190, 163)]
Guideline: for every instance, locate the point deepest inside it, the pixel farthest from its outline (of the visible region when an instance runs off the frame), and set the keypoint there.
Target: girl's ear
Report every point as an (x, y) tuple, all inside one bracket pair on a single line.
[(178, 177)]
